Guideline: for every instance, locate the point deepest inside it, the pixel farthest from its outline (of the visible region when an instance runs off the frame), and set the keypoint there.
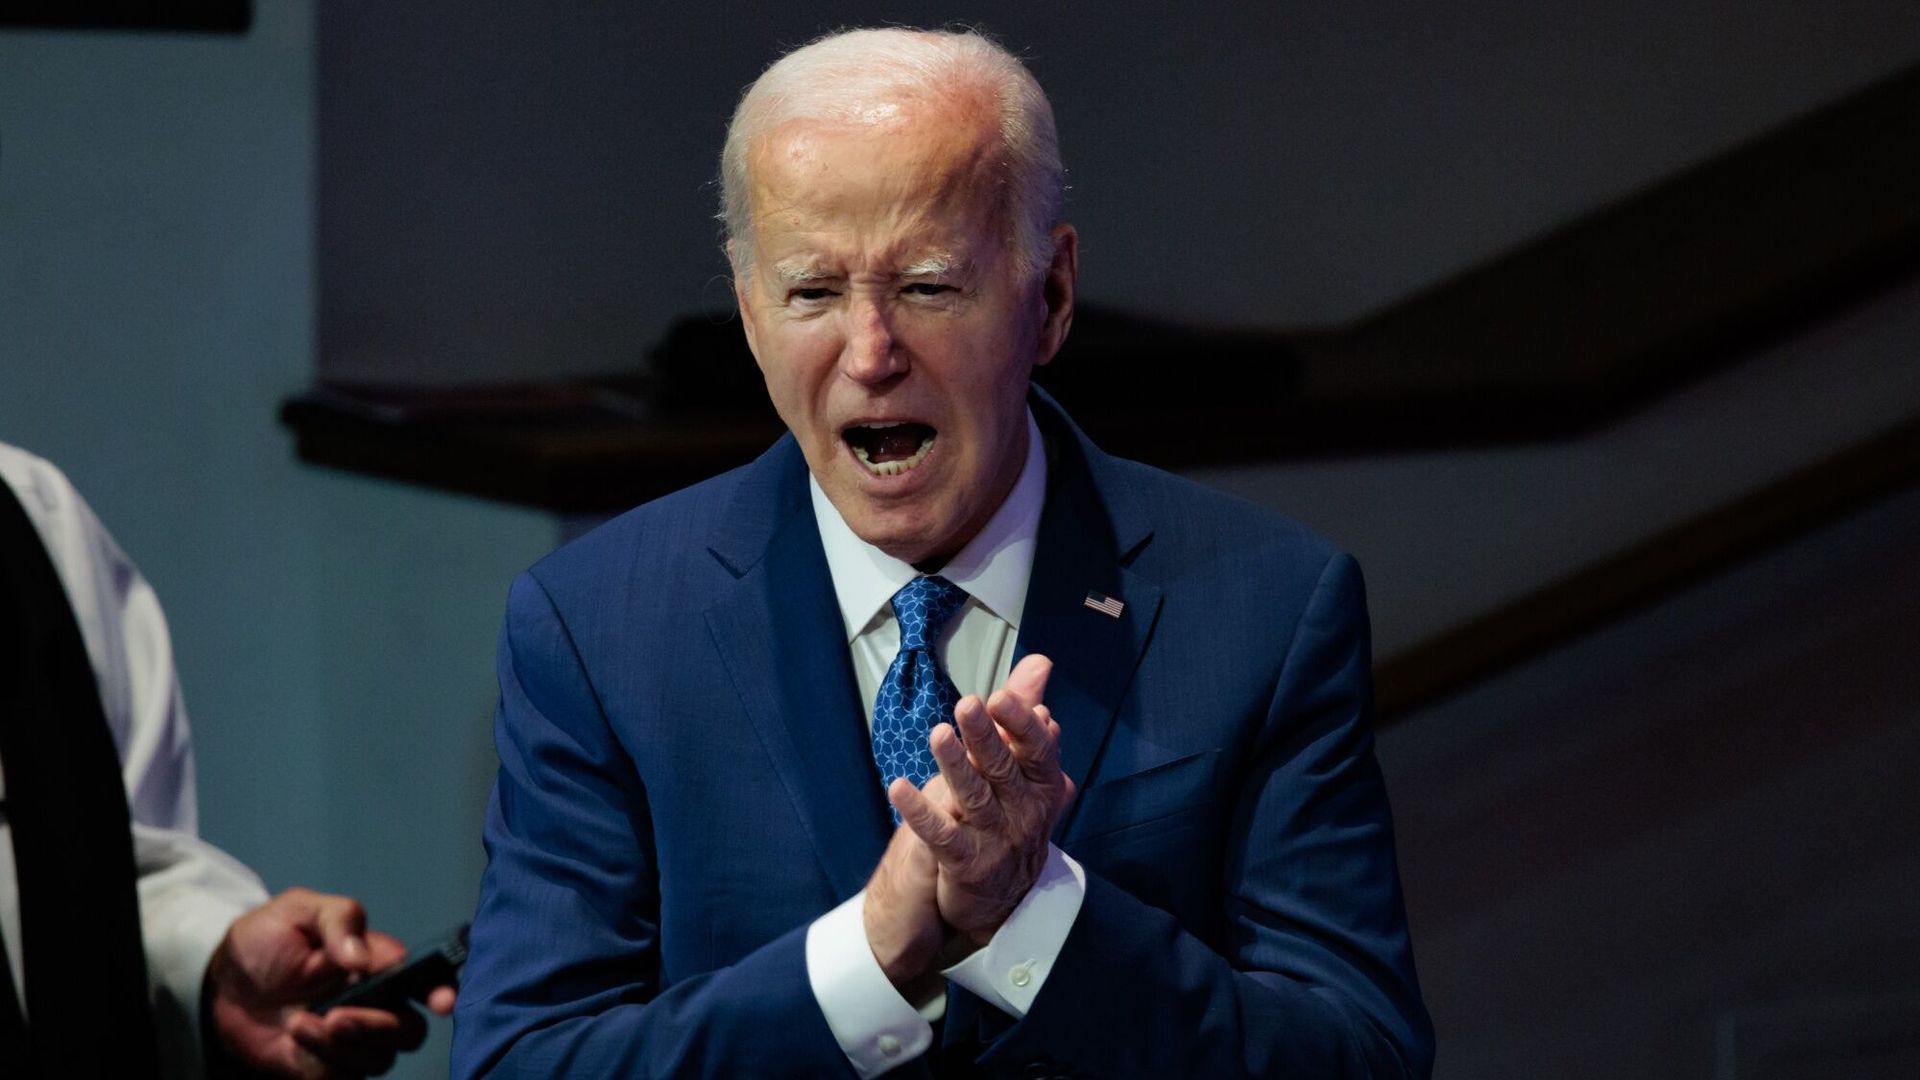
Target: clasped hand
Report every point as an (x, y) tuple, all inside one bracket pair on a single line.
[(973, 842)]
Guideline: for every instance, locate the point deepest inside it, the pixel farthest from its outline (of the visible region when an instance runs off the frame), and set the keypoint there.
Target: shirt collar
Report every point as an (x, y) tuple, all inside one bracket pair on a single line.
[(993, 567)]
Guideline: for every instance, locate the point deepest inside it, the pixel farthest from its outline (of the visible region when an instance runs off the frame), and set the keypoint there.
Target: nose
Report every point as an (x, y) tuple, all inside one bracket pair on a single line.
[(871, 355)]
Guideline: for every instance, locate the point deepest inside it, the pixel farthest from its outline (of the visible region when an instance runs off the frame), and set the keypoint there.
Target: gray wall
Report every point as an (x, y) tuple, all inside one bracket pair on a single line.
[(1686, 846), (334, 635), (509, 188)]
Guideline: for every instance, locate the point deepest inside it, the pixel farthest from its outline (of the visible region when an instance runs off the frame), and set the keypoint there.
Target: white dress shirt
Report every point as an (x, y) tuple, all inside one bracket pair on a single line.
[(877, 1027), (189, 890)]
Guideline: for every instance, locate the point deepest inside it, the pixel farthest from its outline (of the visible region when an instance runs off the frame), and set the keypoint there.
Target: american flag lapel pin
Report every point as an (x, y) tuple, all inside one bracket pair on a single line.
[(1104, 604)]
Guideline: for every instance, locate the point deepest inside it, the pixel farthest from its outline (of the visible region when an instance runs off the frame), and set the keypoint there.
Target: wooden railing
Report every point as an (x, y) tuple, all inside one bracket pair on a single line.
[(1649, 571), (1568, 333)]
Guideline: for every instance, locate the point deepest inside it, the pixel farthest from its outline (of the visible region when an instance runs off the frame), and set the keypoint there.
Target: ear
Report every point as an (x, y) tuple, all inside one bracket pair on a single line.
[(743, 299), (1056, 290)]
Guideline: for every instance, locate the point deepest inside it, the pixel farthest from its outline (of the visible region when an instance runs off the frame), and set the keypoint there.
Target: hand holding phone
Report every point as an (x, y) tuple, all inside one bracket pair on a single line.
[(410, 980)]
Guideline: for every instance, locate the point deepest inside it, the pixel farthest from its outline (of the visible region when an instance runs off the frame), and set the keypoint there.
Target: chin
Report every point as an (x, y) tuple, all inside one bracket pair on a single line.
[(908, 537), (907, 545)]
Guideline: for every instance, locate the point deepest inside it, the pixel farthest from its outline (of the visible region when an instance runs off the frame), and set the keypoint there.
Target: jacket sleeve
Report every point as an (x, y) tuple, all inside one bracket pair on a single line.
[(1311, 972), (564, 977)]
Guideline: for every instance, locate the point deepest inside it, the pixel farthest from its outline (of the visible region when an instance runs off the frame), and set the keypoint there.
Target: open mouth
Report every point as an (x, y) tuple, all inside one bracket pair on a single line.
[(889, 449)]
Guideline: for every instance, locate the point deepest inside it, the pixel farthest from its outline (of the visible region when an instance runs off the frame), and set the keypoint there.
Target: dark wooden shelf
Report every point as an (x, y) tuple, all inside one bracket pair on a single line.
[(1568, 333), (198, 16), (1565, 334), (1661, 565)]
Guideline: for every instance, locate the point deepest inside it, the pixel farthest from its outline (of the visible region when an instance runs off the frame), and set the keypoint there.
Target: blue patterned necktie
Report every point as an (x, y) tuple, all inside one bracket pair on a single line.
[(916, 694)]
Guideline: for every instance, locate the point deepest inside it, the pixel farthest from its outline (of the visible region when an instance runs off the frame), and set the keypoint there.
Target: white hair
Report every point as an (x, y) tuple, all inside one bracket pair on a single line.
[(858, 74)]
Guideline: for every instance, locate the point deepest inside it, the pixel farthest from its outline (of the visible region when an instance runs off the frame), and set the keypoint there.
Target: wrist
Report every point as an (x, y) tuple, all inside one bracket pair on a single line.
[(904, 957), (218, 1058), (957, 947)]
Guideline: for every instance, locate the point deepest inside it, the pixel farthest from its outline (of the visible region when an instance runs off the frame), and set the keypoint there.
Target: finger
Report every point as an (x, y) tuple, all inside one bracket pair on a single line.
[(939, 794), (988, 754), (935, 829), (1038, 748), (306, 1028), (972, 795), (1028, 680), (1026, 732), (1053, 726), (441, 1000), (359, 1021), (383, 950), (300, 1056), (366, 1040), (1046, 714), (920, 858), (342, 924)]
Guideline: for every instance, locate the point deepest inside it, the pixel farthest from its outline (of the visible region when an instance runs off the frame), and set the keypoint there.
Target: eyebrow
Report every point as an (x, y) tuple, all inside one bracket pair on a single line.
[(806, 272), (932, 266), (800, 273)]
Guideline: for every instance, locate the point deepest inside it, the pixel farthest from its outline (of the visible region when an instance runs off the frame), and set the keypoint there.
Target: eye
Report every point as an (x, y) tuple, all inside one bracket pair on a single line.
[(927, 288), (810, 295)]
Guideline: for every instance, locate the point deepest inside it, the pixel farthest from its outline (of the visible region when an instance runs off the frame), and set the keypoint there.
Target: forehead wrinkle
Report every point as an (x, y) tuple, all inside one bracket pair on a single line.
[(820, 210), (953, 164)]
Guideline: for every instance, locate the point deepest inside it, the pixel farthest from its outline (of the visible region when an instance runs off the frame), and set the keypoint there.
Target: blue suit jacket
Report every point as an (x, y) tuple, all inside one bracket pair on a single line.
[(685, 784)]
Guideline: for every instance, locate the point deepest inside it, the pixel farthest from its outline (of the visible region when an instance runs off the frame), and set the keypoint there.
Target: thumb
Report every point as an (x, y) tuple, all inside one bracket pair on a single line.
[(342, 924), (1028, 680)]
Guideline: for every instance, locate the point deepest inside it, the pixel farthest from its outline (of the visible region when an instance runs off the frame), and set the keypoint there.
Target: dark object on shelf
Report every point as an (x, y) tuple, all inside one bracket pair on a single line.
[(1110, 360), (602, 445), (210, 16)]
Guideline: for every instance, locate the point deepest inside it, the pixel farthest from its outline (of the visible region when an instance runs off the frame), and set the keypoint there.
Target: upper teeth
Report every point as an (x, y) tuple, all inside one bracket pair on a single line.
[(894, 468)]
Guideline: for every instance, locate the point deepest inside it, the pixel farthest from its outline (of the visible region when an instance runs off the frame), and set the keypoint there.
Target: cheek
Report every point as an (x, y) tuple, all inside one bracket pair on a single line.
[(797, 363)]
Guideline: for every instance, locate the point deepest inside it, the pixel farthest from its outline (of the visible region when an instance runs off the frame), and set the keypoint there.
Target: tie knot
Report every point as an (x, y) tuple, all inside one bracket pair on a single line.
[(923, 606)]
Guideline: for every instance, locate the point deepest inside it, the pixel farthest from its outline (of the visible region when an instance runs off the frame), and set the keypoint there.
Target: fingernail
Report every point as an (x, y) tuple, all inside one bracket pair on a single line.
[(355, 950)]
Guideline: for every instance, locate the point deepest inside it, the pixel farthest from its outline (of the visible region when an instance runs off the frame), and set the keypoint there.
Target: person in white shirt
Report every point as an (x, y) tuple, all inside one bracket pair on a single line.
[(230, 969)]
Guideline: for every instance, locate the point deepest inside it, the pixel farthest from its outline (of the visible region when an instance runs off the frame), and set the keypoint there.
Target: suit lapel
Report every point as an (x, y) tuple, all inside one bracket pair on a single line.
[(779, 634), (780, 637), (1086, 541), (1088, 536)]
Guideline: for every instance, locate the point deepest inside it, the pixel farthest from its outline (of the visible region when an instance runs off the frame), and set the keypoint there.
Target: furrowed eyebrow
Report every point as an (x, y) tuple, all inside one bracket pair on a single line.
[(931, 266), (800, 273)]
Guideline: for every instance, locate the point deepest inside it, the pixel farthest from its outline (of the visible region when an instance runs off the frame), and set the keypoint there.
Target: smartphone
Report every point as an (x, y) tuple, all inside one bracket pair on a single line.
[(409, 980)]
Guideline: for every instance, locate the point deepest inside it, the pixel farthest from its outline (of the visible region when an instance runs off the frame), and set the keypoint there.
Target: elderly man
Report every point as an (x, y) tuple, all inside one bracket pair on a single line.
[(788, 759)]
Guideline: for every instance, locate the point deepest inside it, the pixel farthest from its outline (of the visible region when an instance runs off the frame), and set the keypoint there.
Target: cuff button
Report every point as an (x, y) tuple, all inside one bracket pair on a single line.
[(889, 1045)]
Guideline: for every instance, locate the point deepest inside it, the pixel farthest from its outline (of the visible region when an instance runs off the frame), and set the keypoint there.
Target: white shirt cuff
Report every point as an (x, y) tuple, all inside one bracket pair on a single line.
[(190, 894), (1010, 970), (876, 1027)]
